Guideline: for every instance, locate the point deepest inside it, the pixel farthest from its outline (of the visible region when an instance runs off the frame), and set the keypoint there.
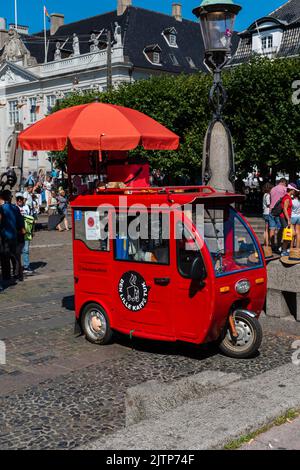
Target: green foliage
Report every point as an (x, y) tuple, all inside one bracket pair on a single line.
[(262, 118)]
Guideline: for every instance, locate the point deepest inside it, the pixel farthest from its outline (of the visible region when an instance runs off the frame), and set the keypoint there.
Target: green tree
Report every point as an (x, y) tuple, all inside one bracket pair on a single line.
[(264, 122)]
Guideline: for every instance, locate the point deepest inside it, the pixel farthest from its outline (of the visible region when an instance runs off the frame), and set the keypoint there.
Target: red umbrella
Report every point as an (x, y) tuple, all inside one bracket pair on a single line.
[(98, 126)]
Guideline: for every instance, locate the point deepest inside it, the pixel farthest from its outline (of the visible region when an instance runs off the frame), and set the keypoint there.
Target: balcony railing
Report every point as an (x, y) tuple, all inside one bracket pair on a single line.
[(80, 62)]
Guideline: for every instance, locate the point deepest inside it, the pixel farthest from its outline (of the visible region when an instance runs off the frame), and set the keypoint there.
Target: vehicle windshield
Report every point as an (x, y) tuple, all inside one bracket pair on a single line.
[(232, 246)]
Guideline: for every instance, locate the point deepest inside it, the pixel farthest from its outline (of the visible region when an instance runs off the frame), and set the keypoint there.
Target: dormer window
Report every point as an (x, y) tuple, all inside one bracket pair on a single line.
[(153, 54), (172, 40), (156, 57), (170, 35), (267, 42)]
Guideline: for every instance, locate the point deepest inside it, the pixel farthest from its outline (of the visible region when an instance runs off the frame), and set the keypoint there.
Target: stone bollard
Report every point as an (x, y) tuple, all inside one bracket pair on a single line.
[(283, 297)]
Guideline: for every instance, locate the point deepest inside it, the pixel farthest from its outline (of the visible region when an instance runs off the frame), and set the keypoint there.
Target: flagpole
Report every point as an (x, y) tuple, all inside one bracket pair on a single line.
[(16, 14), (45, 36)]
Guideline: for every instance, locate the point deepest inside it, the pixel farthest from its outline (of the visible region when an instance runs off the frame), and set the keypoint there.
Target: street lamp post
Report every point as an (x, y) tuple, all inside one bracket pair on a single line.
[(217, 20)]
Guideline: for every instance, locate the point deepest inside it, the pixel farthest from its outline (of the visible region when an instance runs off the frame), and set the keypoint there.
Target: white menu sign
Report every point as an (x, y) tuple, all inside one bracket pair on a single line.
[(92, 225)]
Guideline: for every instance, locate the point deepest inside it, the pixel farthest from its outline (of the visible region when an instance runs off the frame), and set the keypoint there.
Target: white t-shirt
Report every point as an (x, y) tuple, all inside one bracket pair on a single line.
[(25, 210), (266, 204), (296, 207)]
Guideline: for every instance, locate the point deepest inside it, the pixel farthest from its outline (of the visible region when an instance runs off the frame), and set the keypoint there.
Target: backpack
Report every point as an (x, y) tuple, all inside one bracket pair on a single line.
[(277, 209), (29, 225)]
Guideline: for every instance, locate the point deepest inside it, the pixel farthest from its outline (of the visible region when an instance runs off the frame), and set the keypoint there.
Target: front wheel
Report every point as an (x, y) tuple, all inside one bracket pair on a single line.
[(249, 337), (95, 324)]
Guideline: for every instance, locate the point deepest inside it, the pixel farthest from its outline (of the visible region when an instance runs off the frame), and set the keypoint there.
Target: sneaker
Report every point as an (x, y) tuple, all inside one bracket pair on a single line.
[(28, 271)]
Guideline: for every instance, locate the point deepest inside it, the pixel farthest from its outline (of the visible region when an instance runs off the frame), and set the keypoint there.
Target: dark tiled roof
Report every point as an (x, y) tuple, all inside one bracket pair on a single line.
[(140, 28), (288, 12)]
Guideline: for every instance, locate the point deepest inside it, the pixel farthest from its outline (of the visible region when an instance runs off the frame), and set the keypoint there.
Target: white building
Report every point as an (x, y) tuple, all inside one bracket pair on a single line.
[(143, 43), (274, 36)]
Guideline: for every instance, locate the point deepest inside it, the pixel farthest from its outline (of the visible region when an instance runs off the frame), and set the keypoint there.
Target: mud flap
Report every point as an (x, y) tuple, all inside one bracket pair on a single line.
[(77, 328)]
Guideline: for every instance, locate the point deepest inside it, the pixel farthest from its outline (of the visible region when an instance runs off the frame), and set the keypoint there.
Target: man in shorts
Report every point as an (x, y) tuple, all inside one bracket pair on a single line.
[(277, 193)]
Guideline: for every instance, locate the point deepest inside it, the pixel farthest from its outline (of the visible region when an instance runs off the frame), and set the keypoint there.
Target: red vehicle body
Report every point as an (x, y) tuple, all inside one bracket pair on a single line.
[(163, 293)]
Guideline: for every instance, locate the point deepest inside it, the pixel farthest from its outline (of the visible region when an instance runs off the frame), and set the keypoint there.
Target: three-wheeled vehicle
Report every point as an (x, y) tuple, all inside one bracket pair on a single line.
[(194, 272), (172, 263)]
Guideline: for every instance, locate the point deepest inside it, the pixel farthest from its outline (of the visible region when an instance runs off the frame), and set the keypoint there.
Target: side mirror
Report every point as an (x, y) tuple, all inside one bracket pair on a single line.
[(198, 272)]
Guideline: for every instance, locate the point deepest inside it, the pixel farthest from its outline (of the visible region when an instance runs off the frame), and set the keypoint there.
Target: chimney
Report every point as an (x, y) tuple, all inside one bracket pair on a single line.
[(3, 32), (122, 5), (57, 20), (177, 11)]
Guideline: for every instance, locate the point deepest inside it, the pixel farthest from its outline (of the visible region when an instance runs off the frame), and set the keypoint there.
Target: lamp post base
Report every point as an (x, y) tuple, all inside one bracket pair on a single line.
[(218, 157)]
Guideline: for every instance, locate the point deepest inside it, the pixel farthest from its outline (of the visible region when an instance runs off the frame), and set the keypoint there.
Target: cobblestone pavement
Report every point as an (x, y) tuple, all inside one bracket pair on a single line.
[(59, 391)]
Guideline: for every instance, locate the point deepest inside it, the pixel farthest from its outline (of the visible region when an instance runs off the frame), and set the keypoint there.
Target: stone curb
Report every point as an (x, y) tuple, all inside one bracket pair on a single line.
[(215, 420)]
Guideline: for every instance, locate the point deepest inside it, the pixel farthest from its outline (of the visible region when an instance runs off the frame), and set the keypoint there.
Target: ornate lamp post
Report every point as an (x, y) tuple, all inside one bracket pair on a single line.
[(217, 20)]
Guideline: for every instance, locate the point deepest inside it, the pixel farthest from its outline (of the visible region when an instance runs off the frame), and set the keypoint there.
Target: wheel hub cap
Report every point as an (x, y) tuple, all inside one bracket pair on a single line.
[(244, 333), (96, 323)]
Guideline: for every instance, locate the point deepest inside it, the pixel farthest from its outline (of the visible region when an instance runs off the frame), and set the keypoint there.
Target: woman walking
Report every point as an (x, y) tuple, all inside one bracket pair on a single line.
[(62, 208), (266, 211)]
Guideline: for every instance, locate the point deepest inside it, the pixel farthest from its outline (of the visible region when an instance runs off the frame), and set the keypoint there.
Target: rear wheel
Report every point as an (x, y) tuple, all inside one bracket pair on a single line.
[(95, 324), (249, 337)]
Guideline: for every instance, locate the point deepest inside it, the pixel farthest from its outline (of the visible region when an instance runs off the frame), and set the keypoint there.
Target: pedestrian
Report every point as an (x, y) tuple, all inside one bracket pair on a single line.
[(277, 193), (266, 211), (286, 214), (52, 203), (296, 219), (28, 233), (62, 209), (30, 180), (11, 226), (29, 197), (47, 188)]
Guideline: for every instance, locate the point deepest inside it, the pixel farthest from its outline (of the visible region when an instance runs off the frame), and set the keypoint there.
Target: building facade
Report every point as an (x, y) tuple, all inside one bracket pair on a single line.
[(274, 36), (118, 47)]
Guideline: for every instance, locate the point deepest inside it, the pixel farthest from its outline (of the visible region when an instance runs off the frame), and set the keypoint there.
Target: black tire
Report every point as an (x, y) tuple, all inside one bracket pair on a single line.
[(104, 334), (244, 347)]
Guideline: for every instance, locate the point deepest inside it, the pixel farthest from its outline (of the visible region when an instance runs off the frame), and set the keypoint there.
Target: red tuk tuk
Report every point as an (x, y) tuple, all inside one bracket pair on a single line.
[(201, 278), (172, 263)]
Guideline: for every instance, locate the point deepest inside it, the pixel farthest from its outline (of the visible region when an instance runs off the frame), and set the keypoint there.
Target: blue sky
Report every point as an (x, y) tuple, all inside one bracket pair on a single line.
[(30, 12)]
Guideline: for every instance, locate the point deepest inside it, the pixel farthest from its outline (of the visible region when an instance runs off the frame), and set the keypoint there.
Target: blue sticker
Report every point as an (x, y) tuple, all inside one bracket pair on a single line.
[(78, 216)]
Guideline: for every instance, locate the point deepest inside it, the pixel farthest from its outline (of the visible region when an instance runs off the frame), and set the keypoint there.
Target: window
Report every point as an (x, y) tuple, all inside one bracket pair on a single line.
[(172, 40), (174, 59), (267, 42), (170, 36), (156, 57), (13, 112), (51, 100), (32, 109), (91, 227), (187, 250), (231, 244), (152, 53), (142, 238), (191, 62)]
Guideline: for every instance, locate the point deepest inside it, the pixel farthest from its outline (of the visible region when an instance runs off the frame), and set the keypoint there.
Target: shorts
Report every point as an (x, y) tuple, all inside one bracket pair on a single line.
[(274, 222), (295, 220), (266, 218)]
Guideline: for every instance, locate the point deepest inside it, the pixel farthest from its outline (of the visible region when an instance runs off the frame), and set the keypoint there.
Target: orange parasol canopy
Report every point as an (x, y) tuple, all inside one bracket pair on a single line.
[(98, 126)]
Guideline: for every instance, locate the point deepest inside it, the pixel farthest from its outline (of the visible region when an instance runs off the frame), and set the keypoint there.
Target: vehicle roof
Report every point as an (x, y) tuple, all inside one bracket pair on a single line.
[(149, 196)]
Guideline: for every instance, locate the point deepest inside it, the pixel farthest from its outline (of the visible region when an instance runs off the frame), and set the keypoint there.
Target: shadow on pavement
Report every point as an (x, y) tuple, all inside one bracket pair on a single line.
[(68, 302), (37, 265), (192, 351)]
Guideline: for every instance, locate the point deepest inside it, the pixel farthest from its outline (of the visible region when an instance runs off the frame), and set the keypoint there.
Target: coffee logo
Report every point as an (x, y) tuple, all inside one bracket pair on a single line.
[(133, 291)]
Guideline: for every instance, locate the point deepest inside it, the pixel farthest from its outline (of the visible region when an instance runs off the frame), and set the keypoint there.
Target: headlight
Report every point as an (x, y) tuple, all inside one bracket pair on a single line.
[(242, 286)]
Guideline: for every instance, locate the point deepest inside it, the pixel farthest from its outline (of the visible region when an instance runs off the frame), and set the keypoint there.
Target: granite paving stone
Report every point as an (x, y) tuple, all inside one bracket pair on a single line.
[(59, 391)]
